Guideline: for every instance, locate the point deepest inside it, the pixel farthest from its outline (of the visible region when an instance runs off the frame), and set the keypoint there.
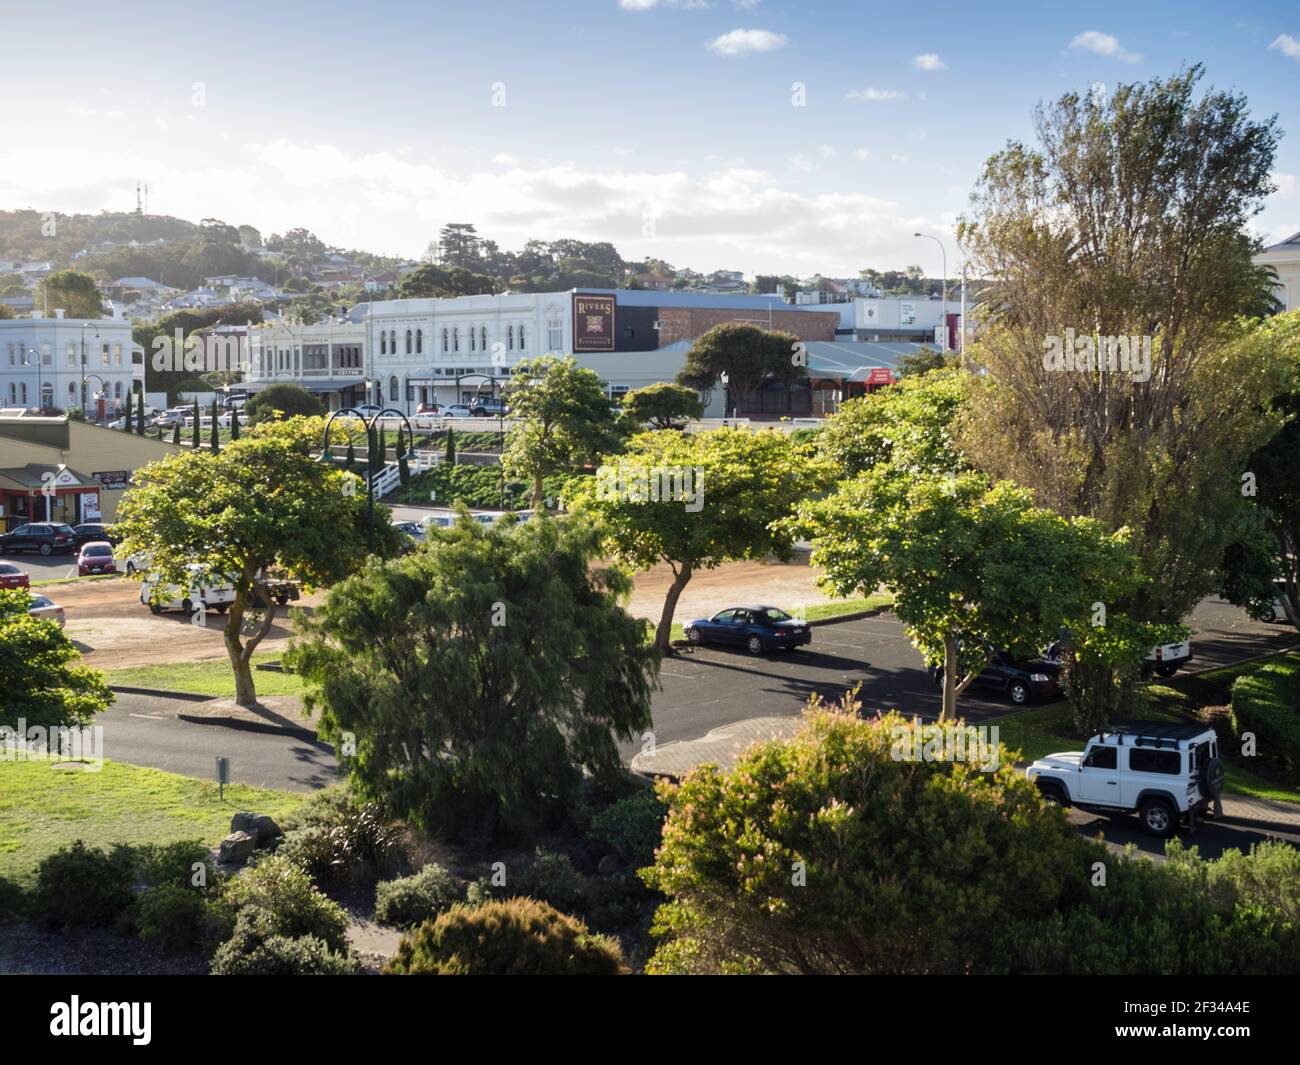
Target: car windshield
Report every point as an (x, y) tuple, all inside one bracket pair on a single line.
[(67, 530), (775, 614), (8, 567), (97, 550), (40, 602)]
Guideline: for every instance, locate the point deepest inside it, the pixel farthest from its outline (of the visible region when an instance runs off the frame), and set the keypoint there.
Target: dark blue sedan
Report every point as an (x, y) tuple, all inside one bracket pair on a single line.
[(756, 628)]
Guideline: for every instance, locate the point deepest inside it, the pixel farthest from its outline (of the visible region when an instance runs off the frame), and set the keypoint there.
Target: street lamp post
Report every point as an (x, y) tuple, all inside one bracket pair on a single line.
[(84, 375), (944, 312), (725, 380)]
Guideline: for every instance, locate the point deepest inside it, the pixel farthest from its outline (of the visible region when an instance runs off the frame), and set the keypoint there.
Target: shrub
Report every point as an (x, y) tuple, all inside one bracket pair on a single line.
[(290, 901), (80, 885), (172, 915), (410, 900), (173, 863), (826, 854), (547, 877), (256, 949), (1267, 703), (632, 826), (13, 900), (511, 937), (334, 837)]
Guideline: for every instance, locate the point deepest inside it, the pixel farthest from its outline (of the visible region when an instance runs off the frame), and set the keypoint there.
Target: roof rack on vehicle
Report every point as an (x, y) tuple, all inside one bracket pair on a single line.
[(1154, 733)]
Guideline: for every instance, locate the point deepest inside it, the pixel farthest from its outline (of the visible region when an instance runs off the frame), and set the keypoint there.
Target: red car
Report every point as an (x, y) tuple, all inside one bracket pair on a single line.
[(96, 557), (12, 577)]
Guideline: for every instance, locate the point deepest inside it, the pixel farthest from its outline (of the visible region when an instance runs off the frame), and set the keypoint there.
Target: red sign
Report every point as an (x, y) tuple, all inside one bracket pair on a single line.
[(881, 376), (593, 323)]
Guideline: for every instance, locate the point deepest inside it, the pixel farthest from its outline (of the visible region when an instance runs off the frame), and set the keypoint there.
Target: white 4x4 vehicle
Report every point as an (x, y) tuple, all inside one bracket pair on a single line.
[(1162, 772)]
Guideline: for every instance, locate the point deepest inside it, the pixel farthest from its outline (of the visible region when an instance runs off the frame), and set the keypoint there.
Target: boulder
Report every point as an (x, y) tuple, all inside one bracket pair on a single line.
[(236, 848), (261, 827)]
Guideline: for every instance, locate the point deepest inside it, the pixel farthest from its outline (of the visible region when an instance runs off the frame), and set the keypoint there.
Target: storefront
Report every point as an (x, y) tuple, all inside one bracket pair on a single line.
[(39, 492)]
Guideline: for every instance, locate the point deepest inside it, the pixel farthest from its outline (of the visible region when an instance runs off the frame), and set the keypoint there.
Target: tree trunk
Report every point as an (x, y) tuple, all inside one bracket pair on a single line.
[(539, 492), (240, 652), (948, 710), (663, 635)]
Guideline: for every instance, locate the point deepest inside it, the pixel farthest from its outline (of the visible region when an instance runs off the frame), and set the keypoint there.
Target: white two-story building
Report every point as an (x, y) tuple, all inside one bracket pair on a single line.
[(402, 353), (1284, 258), (57, 363)]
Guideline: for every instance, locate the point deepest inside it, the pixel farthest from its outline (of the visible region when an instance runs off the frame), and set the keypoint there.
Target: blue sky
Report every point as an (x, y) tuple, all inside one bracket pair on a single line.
[(670, 128)]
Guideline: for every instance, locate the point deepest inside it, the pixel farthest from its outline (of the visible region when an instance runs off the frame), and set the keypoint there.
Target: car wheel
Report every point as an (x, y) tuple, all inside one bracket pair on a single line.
[(155, 608), (1212, 775), (1053, 792), (130, 569), (220, 608), (1017, 692), (1158, 817), (1166, 671), (695, 636), (754, 645), (46, 550), (187, 605)]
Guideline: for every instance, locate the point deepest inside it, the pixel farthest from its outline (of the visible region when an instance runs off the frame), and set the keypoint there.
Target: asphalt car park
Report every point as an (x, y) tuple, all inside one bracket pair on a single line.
[(707, 687)]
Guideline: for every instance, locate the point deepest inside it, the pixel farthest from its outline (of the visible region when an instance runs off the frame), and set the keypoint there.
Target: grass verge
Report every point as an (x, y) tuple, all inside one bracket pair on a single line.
[(43, 809), (209, 676)]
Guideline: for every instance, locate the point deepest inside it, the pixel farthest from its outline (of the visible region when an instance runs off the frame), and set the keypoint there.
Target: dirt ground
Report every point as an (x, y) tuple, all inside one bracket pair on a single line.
[(113, 629)]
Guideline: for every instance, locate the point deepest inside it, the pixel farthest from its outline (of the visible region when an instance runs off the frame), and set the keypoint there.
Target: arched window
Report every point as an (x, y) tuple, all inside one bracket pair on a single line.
[(455, 338), (522, 345), (392, 341), (13, 394), (482, 337), (408, 342), (471, 338), (72, 390), (117, 389), (419, 341), (392, 388), (47, 395), (444, 340), (510, 338), (383, 343)]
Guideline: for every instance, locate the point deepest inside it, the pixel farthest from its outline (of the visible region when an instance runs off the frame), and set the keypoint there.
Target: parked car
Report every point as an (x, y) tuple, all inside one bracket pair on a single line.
[(489, 408), (367, 410), (92, 531), (159, 597), (43, 536), (457, 410), (96, 557), (45, 609), (437, 521), (1165, 773), (138, 561), (756, 628), (429, 408), (1021, 680), (174, 416), (1165, 660), (11, 577)]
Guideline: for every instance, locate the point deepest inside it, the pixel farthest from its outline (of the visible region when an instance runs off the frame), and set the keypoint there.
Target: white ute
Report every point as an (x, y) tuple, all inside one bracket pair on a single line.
[(1164, 773)]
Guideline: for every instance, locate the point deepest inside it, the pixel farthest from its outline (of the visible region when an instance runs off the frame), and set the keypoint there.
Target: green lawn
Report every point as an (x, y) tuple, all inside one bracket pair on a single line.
[(212, 677), (43, 809), (1047, 729)]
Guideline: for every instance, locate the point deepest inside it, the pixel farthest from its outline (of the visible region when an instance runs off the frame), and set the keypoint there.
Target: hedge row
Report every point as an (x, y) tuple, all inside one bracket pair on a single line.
[(1266, 703)]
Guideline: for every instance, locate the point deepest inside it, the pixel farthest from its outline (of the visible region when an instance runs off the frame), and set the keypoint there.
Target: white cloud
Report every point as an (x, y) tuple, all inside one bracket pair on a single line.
[(929, 61), (505, 159), (1103, 44), (861, 154), (828, 151), (874, 95), (738, 42), (1286, 44), (646, 5)]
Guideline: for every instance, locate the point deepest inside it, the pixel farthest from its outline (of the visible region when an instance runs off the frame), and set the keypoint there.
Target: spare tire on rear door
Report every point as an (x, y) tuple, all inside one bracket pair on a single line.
[(1212, 776)]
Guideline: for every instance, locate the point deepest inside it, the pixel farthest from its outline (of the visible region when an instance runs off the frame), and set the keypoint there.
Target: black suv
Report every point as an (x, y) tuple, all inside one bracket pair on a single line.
[(43, 536), (93, 531)]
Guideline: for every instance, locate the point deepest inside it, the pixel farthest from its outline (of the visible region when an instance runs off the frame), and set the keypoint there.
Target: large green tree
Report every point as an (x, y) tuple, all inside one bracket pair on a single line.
[(1123, 227), (282, 400), (662, 405), (562, 419), (694, 502), (264, 506), (481, 675), (748, 355), (71, 290), (42, 683), (973, 569)]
